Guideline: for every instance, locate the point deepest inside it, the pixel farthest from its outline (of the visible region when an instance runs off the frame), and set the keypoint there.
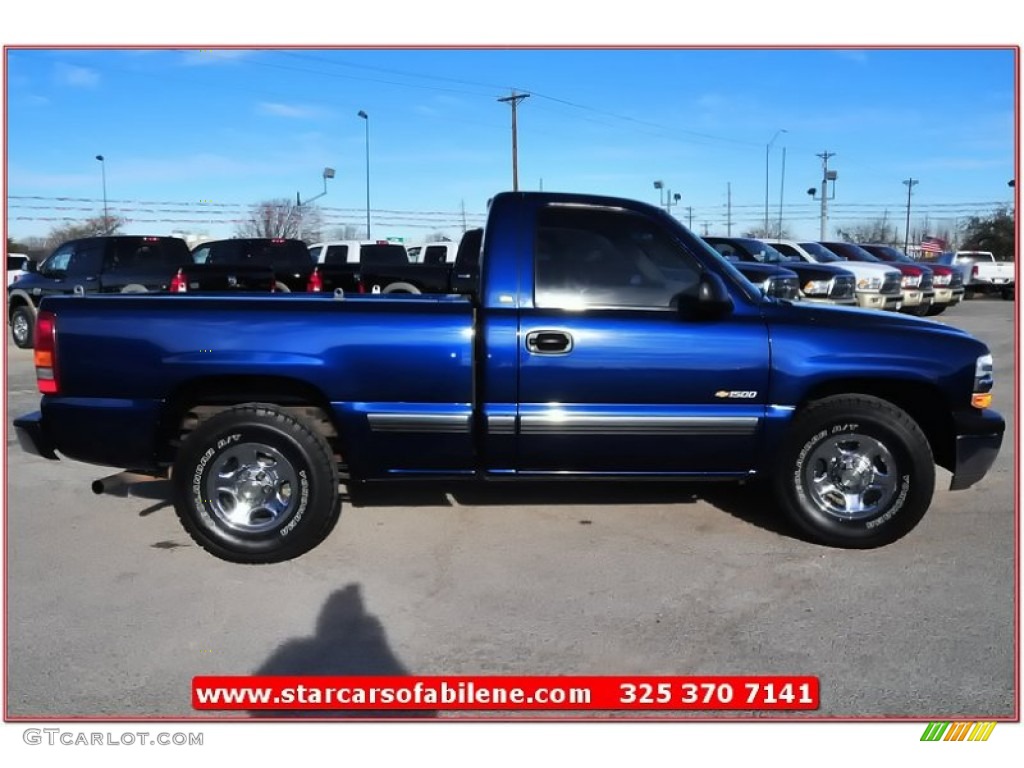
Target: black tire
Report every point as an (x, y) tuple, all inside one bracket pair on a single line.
[(401, 288), (1006, 294), (889, 472), (253, 484), (919, 311), (23, 327), (280, 287), (937, 309)]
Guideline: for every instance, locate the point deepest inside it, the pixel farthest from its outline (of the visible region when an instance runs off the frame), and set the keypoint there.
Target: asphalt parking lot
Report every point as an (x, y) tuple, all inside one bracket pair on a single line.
[(111, 610)]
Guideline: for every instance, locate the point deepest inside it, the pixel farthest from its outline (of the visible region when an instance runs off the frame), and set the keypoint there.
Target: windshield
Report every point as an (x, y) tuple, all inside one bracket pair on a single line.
[(821, 253), (767, 254), (888, 253)]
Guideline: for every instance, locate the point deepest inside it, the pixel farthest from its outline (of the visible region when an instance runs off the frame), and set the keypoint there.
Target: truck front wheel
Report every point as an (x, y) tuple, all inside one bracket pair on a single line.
[(253, 484), (855, 471)]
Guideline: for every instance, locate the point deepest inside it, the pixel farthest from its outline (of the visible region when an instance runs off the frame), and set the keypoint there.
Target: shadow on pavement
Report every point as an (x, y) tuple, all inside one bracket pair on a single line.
[(349, 642)]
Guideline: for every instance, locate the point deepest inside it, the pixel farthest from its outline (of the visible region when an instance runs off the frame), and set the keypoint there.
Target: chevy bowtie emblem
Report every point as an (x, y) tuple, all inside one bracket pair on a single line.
[(736, 394), (232, 281)]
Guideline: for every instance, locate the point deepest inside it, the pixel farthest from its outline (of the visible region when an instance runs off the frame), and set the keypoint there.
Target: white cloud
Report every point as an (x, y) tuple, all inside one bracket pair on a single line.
[(76, 77), (286, 110), (211, 56)]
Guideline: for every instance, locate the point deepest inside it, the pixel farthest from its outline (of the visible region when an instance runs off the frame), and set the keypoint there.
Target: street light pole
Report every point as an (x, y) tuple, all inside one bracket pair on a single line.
[(767, 152), (103, 171), (366, 119), (327, 174), (911, 182)]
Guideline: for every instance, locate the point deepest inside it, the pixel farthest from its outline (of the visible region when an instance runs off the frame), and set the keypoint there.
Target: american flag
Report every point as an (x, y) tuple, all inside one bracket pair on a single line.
[(933, 244)]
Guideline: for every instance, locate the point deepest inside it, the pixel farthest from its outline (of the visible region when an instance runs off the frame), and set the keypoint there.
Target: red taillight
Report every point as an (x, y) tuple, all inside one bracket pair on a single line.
[(179, 284), (315, 283), (974, 271), (45, 353)]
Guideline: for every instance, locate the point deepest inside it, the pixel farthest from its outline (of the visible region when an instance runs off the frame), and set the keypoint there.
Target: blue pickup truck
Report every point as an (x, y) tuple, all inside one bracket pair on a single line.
[(582, 337)]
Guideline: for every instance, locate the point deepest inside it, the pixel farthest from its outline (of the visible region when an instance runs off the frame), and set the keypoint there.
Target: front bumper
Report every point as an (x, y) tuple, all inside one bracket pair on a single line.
[(979, 434), (912, 298), (875, 300), (33, 438), (951, 296)]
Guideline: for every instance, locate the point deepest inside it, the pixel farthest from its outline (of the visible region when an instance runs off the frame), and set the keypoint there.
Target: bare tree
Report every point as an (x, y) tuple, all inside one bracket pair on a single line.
[(97, 225), (878, 231), (281, 218), (348, 232), (773, 231), (437, 237)]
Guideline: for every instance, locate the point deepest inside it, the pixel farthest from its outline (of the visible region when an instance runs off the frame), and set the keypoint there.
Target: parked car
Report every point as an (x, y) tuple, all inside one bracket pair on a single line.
[(116, 264), (286, 257), (373, 267), (916, 283), (823, 283), (946, 281), (877, 287), (632, 350), (988, 275), (15, 266)]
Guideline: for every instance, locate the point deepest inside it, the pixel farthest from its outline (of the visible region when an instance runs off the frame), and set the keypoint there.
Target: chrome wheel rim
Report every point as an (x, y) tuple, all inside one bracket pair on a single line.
[(19, 327), (851, 476), (251, 488)]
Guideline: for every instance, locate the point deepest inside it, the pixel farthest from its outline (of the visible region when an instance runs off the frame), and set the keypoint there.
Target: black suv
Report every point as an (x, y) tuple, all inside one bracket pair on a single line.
[(288, 258), (113, 264)]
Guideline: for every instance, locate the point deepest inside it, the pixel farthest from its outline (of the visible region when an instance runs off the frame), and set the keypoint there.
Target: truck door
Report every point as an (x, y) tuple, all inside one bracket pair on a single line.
[(612, 377)]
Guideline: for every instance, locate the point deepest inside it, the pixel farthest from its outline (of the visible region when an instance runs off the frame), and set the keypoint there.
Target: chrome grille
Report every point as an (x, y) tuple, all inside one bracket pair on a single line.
[(926, 280), (843, 287), (891, 284), (957, 279)]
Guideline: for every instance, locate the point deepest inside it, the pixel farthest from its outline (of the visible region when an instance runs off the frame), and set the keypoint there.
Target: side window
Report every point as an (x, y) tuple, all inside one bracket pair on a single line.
[(314, 253), (87, 259), (201, 255), (336, 254), (607, 258), (58, 263), (786, 250), (414, 253), (435, 254)]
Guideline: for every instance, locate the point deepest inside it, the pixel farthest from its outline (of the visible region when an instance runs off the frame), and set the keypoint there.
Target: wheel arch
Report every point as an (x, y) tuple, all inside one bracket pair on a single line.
[(197, 400), (925, 403), (18, 298)]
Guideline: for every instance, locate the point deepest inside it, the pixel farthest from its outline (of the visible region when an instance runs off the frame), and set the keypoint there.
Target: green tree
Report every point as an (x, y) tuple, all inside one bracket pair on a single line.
[(993, 233)]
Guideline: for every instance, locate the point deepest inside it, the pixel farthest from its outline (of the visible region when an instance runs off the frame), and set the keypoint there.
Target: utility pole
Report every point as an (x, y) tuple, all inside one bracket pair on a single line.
[(782, 188), (728, 209), (825, 178), (911, 182), (463, 217), (689, 216), (514, 100)]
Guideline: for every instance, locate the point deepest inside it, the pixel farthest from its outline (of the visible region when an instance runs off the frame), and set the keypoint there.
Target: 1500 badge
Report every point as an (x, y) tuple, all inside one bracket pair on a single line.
[(736, 394)]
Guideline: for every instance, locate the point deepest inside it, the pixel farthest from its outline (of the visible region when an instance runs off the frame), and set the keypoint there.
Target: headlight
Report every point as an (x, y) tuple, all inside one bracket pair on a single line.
[(817, 287), (983, 380), (870, 284), (943, 279), (911, 281)]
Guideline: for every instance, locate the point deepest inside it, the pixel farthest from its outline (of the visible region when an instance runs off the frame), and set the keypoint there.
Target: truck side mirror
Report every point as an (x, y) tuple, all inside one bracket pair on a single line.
[(708, 301)]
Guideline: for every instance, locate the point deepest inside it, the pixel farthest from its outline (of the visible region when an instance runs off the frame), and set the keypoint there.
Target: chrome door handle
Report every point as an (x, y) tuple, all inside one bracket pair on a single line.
[(549, 342)]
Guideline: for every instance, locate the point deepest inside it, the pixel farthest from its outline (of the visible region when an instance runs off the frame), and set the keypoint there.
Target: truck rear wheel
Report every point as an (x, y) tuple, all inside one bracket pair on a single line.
[(855, 471), (23, 321), (254, 484)]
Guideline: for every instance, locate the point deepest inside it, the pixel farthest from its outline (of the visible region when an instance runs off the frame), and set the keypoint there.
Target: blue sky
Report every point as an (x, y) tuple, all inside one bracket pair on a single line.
[(192, 137)]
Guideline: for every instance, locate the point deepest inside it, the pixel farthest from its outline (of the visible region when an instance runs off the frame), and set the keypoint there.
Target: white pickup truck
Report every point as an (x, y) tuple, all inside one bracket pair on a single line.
[(987, 274)]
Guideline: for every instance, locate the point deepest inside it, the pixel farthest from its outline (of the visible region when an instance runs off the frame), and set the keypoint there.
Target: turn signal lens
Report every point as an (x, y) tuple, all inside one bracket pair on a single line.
[(981, 399)]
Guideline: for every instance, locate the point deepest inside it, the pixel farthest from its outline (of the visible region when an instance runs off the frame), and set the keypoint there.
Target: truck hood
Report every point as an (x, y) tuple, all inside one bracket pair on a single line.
[(824, 316)]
